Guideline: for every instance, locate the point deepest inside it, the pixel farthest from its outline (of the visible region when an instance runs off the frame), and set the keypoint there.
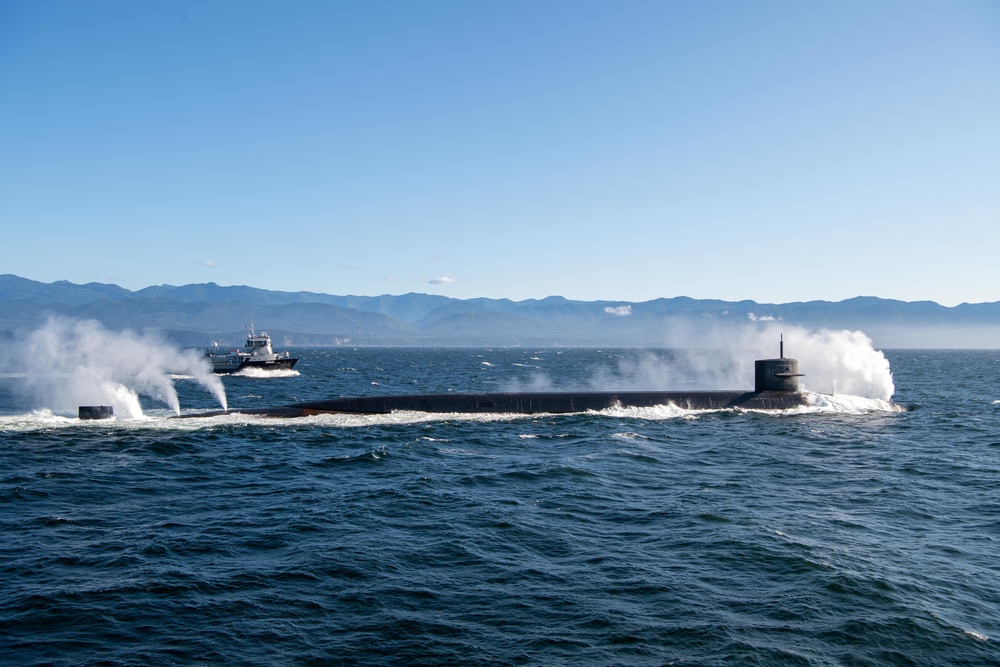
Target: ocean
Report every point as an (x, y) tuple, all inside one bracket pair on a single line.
[(855, 531)]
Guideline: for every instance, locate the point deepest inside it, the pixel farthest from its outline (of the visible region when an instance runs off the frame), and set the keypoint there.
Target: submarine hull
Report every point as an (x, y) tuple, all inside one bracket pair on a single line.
[(776, 387), (531, 403)]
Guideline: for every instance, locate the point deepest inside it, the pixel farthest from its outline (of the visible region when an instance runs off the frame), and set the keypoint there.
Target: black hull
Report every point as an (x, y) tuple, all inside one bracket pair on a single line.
[(277, 364), (531, 403)]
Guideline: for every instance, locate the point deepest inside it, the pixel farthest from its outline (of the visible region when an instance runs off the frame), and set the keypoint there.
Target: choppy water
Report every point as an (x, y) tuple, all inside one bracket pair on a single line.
[(848, 534)]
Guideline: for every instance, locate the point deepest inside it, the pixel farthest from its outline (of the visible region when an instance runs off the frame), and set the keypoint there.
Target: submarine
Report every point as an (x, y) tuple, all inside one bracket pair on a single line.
[(776, 387)]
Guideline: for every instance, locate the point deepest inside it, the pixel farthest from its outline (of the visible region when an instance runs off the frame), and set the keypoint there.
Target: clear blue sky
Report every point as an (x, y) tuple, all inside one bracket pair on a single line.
[(774, 151)]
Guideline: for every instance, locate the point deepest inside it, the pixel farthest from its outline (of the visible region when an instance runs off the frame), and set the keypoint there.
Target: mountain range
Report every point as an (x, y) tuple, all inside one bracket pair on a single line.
[(200, 314)]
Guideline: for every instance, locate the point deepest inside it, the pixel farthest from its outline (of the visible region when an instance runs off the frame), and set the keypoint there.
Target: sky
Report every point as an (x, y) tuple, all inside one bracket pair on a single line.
[(596, 150)]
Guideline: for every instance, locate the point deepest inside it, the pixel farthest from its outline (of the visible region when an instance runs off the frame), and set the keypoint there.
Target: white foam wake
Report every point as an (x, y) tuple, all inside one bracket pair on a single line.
[(263, 374), (847, 404)]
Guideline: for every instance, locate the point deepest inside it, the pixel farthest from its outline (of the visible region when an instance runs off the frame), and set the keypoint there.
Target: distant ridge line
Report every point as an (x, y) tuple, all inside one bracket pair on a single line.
[(195, 313)]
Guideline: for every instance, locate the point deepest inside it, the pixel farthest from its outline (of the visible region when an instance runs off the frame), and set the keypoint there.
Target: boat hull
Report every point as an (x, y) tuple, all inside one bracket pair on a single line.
[(228, 367)]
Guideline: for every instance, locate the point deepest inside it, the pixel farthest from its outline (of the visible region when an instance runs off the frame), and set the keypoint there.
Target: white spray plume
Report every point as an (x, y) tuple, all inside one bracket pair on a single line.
[(833, 362), (840, 362), (68, 363)]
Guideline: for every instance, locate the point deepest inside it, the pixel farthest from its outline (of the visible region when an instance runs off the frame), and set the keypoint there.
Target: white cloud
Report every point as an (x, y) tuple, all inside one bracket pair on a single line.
[(620, 311), (207, 263), (443, 280), (761, 318)]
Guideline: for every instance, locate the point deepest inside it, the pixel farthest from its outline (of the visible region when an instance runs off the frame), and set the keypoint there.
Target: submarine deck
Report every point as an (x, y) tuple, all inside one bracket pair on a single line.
[(530, 403)]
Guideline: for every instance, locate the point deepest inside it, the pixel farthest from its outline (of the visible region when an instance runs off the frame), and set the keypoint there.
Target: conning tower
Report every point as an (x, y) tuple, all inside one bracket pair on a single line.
[(779, 374)]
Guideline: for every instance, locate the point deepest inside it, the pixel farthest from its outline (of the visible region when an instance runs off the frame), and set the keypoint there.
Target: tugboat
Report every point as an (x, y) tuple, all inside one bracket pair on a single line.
[(257, 353)]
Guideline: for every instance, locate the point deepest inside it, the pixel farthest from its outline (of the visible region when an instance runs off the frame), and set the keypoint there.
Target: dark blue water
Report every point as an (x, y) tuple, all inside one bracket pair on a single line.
[(844, 535)]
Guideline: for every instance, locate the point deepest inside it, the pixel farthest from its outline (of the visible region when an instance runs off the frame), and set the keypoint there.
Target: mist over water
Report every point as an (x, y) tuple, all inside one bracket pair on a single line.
[(843, 362), (69, 363), (833, 362)]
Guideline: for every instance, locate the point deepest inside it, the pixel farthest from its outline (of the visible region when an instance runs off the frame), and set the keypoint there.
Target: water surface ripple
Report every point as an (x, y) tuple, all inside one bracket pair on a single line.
[(617, 538)]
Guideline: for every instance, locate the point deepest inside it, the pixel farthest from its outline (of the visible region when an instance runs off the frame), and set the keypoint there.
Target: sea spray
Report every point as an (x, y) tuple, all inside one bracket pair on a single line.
[(842, 362), (833, 362), (68, 363)]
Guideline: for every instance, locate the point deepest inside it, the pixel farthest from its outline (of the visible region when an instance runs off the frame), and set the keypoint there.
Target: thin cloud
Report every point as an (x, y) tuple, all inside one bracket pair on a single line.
[(443, 280), (619, 311), (208, 263)]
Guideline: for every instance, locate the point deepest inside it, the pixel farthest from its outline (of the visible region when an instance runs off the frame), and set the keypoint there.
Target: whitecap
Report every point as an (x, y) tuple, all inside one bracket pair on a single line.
[(629, 435)]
